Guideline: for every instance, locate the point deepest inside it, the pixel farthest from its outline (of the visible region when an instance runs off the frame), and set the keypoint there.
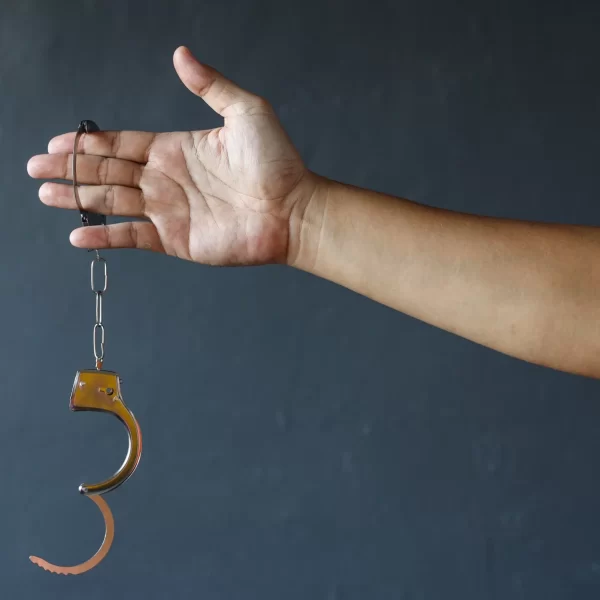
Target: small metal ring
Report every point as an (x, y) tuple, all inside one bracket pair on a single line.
[(98, 308), (102, 288), (98, 355)]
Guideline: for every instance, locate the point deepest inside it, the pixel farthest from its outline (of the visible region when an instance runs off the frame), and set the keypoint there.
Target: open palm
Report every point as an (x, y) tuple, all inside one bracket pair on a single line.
[(221, 196)]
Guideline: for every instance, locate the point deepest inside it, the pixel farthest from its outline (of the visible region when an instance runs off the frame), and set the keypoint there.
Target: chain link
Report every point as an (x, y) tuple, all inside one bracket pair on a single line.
[(99, 288)]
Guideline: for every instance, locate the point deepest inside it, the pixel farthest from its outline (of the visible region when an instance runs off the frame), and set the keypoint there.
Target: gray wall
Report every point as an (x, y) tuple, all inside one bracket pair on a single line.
[(300, 441)]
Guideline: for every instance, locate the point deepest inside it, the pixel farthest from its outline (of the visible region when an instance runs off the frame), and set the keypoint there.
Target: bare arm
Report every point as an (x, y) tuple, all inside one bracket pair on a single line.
[(531, 290), (240, 194)]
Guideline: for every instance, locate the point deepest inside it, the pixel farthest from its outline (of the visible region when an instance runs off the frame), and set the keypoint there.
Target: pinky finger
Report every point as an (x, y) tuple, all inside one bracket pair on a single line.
[(133, 234)]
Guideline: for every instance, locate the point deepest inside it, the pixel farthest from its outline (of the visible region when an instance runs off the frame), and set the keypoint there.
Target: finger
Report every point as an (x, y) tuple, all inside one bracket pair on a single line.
[(90, 169), (103, 199), (221, 94), (128, 145), (134, 234)]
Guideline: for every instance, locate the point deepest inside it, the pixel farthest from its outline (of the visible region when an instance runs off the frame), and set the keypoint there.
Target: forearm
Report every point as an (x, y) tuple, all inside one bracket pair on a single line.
[(522, 288)]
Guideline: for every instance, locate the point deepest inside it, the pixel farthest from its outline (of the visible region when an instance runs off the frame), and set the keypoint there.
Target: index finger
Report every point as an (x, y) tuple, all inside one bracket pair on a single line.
[(129, 145)]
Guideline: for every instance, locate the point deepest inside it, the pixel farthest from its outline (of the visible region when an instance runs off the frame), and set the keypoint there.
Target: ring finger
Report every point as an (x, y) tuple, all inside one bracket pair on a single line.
[(103, 199), (98, 170)]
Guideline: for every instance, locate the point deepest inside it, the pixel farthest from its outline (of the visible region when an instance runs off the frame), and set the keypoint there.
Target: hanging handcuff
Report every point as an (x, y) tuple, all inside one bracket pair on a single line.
[(99, 390)]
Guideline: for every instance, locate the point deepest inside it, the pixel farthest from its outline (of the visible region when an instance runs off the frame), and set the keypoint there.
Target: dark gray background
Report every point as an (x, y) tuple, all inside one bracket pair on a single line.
[(300, 441)]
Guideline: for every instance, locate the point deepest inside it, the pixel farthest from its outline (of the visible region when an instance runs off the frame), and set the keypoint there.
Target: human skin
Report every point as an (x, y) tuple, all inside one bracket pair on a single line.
[(240, 194)]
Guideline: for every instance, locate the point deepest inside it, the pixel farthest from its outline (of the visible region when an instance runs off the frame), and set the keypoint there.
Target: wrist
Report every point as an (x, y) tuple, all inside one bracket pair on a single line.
[(306, 222)]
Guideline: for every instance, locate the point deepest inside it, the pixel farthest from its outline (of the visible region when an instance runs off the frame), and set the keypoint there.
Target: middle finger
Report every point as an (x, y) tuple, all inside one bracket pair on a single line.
[(97, 170)]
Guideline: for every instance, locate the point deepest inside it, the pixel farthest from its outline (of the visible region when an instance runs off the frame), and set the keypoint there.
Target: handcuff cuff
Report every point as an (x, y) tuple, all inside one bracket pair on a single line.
[(99, 390)]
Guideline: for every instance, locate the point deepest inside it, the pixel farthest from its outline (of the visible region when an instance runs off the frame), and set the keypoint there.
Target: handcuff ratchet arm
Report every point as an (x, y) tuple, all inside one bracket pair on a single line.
[(95, 390)]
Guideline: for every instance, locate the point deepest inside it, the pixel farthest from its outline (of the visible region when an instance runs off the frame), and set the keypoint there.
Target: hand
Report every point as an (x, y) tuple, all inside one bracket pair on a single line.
[(224, 196)]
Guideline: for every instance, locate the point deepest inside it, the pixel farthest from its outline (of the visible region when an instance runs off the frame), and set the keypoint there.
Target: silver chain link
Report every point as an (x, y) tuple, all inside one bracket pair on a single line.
[(99, 263)]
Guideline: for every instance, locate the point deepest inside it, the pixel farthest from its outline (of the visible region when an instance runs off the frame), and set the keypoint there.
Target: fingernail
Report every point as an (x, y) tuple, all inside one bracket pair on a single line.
[(187, 51)]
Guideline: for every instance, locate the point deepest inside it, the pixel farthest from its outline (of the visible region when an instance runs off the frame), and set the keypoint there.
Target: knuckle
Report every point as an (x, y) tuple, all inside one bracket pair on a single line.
[(142, 199), (115, 143), (133, 234), (108, 234), (109, 199), (102, 171), (136, 175), (149, 147), (207, 84)]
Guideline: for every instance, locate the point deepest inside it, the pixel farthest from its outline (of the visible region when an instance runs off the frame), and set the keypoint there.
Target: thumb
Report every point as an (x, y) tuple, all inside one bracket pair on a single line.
[(217, 91)]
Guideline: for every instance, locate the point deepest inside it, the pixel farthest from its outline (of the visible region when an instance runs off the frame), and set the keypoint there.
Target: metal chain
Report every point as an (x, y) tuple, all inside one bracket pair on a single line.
[(87, 219), (99, 290)]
